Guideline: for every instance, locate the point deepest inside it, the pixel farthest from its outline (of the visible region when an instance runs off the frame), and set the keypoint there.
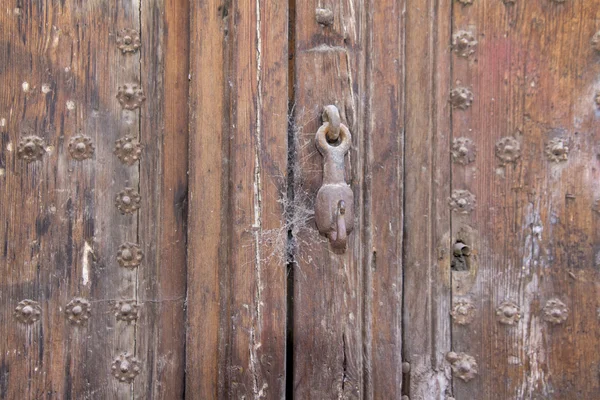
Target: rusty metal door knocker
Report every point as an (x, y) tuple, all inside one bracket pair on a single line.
[(334, 207)]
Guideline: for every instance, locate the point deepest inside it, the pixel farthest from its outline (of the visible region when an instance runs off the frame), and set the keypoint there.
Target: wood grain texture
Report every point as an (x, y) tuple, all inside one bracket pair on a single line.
[(347, 306), (534, 77), (61, 69), (426, 256), (238, 237)]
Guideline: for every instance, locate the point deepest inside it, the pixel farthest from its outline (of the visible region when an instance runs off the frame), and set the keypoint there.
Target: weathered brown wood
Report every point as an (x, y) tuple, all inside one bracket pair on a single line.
[(328, 285), (161, 290), (238, 237), (61, 69), (427, 249), (533, 76)]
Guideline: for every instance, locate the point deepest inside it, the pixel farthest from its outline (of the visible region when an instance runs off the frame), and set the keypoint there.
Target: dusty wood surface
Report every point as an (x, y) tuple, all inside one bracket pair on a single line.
[(61, 69), (534, 77), (238, 236)]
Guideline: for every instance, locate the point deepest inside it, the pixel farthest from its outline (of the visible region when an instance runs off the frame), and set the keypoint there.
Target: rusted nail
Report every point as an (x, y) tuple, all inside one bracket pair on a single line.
[(128, 149), (462, 201), (129, 255), (128, 201), (28, 311), (555, 311), (557, 149), (126, 310), (324, 16), (128, 40), (334, 205), (405, 367), (125, 367), (463, 312), (78, 311), (461, 98), (464, 43), (81, 147), (463, 151), (463, 365), (508, 313), (130, 96), (508, 150), (31, 148)]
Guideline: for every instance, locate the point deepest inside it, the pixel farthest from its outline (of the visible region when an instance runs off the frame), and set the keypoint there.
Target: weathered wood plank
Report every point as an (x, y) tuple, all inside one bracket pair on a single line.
[(427, 248), (328, 285), (534, 77), (160, 337), (238, 236)]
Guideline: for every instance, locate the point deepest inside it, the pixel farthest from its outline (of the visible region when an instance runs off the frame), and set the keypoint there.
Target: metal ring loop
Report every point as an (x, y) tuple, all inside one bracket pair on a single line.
[(331, 114), (324, 146)]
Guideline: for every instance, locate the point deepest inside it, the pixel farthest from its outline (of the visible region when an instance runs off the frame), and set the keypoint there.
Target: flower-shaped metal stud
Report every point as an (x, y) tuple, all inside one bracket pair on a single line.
[(126, 310), (31, 148), (125, 367), (463, 312), (130, 96), (464, 43), (128, 201), (508, 150), (462, 201), (78, 311), (461, 98), (555, 311), (81, 147), (129, 255), (463, 151), (557, 149), (128, 41), (27, 311), (128, 149), (508, 313), (463, 365)]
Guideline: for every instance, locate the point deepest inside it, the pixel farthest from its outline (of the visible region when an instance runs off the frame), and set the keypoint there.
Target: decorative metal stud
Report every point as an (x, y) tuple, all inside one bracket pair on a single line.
[(128, 149), (28, 311), (125, 367), (324, 16), (508, 313), (461, 98), (508, 150), (463, 312), (128, 201), (596, 41), (78, 311), (464, 43), (463, 365), (463, 151), (555, 311), (557, 149), (462, 201), (31, 148), (126, 310), (130, 96), (128, 40), (81, 147), (129, 255)]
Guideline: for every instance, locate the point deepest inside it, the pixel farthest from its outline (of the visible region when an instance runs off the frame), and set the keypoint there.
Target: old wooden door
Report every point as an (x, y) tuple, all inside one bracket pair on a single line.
[(158, 176)]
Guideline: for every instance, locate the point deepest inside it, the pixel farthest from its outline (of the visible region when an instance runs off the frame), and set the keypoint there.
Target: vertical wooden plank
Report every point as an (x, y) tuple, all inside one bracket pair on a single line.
[(426, 184), (383, 181), (238, 236), (328, 285), (63, 71), (160, 333), (534, 78)]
